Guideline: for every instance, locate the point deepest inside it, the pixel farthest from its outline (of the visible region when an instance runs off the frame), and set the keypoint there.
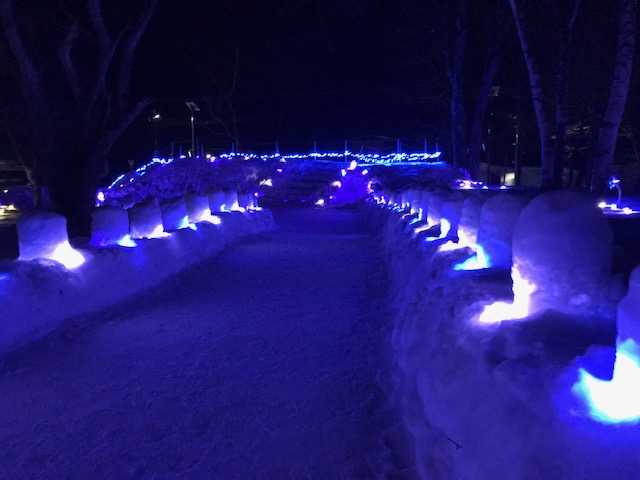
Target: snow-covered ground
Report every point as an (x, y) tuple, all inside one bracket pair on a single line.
[(498, 401), (271, 361)]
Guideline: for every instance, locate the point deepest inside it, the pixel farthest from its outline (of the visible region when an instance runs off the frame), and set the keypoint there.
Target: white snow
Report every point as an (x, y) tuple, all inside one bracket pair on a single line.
[(38, 295), (269, 362), (503, 401)]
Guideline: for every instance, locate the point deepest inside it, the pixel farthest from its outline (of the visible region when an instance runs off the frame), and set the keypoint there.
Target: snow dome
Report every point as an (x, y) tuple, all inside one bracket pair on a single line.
[(497, 221), (470, 216), (216, 201), (145, 219), (197, 207), (109, 225), (174, 214), (562, 247)]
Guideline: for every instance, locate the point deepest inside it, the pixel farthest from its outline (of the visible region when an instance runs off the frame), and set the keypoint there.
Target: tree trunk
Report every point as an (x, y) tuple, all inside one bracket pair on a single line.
[(608, 133), (562, 96), (479, 112), (537, 96), (456, 76)]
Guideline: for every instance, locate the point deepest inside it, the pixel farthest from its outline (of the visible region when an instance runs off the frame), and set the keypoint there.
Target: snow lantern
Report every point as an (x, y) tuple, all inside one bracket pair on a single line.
[(470, 217), (629, 311), (43, 234), (109, 225), (562, 247), (450, 212), (197, 207), (216, 201), (145, 219), (174, 214), (435, 205), (497, 220), (231, 200), (245, 200)]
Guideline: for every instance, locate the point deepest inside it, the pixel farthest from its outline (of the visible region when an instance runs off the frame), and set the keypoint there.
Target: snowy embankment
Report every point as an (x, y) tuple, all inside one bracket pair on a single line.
[(486, 397), (39, 294)]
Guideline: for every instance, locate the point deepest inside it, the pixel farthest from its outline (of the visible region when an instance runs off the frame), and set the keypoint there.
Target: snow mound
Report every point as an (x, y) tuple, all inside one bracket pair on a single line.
[(496, 401), (38, 295)]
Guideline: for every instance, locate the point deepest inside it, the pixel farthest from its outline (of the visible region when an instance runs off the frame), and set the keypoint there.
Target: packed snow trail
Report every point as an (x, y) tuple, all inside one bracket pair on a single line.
[(270, 362)]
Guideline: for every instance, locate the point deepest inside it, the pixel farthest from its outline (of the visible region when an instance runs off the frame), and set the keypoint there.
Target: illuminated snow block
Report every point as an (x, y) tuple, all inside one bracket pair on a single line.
[(231, 200), (629, 311), (174, 214), (245, 200), (197, 207), (435, 206), (562, 247), (40, 233), (470, 217), (108, 226), (217, 201), (498, 218), (451, 210), (145, 219)]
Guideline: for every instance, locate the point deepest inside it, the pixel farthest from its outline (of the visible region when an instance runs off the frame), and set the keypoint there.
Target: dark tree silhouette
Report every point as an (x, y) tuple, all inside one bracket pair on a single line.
[(67, 74), (610, 125)]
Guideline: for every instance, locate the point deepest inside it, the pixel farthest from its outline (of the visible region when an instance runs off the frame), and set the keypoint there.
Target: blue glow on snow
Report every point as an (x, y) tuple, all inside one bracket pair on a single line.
[(127, 241), (517, 310), (184, 223), (478, 261), (618, 400), (67, 256)]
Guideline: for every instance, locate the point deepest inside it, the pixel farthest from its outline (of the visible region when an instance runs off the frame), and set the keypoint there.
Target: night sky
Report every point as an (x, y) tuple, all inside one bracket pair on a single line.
[(308, 70)]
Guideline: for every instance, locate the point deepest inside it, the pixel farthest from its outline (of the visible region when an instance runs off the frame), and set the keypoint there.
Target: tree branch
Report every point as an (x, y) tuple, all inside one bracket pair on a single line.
[(130, 45), (65, 58), (28, 71)]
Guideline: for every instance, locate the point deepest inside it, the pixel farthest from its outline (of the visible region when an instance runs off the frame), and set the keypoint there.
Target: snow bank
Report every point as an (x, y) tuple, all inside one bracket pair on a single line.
[(38, 295), (497, 401)]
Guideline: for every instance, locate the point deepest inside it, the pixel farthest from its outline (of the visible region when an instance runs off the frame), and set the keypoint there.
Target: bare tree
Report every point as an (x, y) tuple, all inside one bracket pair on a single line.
[(608, 133), (221, 107), (549, 125), (72, 98)]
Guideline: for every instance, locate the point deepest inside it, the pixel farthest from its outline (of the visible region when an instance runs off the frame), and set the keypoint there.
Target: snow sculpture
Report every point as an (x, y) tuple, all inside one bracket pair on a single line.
[(616, 400), (245, 200), (231, 200), (197, 207), (562, 247), (435, 200), (497, 220), (109, 225), (145, 219), (450, 212), (174, 214), (629, 311), (216, 201), (470, 217), (43, 234)]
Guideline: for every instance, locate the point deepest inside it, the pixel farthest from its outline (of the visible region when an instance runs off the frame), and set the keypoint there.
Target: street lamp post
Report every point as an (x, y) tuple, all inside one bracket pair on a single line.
[(155, 116), (193, 108)]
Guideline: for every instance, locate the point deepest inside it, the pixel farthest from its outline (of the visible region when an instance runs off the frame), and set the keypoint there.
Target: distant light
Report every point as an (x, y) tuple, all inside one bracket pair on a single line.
[(337, 183), (343, 172), (365, 172), (320, 202), (268, 182), (100, 196), (353, 165)]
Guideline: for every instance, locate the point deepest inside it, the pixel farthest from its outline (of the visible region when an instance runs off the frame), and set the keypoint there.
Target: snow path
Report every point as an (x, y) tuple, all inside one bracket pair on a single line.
[(270, 362)]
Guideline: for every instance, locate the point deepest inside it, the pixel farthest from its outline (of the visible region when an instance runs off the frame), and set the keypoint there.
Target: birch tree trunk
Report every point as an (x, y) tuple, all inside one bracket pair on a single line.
[(608, 134), (456, 76), (538, 98)]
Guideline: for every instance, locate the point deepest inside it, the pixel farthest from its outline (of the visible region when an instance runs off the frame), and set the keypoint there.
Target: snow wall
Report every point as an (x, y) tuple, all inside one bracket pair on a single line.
[(37, 295), (493, 401)]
